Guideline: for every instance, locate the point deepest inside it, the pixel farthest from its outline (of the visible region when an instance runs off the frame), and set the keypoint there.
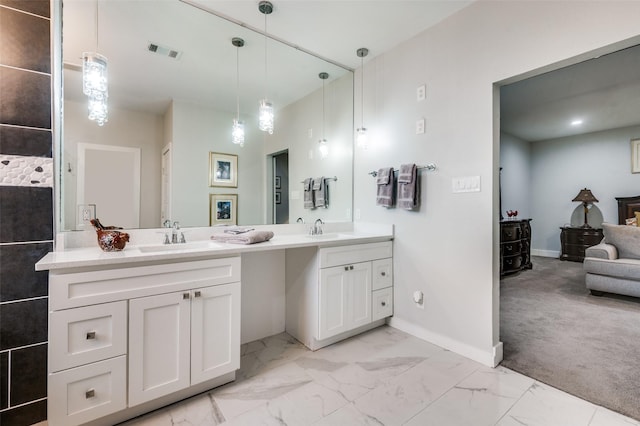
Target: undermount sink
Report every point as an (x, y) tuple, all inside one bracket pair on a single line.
[(195, 245), (327, 236)]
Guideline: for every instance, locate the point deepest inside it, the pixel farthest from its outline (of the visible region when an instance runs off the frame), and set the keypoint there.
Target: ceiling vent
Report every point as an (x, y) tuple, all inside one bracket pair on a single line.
[(164, 51)]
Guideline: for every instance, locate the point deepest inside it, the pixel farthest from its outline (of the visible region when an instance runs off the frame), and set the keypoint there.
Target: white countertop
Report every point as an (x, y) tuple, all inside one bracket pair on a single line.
[(201, 248)]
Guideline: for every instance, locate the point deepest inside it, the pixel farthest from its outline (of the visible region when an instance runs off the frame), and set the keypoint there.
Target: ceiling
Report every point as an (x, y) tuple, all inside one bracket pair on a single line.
[(603, 93)]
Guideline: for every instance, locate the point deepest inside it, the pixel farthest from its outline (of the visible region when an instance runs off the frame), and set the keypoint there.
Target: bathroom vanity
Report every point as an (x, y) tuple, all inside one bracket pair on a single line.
[(133, 331)]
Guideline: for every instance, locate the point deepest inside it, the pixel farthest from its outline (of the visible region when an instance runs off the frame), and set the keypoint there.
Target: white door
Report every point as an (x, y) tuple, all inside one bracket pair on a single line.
[(158, 346), (333, 292), (360, 294), (215, 331)]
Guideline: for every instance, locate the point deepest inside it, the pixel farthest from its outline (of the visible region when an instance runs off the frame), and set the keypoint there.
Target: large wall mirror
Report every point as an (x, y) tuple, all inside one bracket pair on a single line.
[(168, 112)]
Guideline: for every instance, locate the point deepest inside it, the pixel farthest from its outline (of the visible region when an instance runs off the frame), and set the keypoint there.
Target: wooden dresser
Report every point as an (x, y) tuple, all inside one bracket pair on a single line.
[(574, 241), (515, 246)]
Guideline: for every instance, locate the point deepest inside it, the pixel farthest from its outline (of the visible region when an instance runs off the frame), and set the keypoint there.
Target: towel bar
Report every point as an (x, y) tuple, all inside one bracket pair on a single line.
[(335, 179), (430, 167)]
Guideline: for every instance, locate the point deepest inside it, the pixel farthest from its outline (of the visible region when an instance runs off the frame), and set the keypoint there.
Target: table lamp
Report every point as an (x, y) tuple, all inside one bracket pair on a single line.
[(585, 197)]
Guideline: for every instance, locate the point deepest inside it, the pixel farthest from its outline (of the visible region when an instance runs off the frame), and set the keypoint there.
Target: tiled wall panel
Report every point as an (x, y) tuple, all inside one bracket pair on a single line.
[(26, 207)]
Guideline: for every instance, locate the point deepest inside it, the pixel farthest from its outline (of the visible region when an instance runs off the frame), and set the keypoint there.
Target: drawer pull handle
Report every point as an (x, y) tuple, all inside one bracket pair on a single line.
[(384, 303), (383, 273), (91, 335), (346, 268), (351, 268), (90, 393), (198, 294), (185, 296)]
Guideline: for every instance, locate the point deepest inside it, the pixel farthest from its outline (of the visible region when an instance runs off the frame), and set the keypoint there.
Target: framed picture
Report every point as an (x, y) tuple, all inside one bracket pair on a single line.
[(223, 170), (223, 209), (277, 182), (278, 197), (635, 155)]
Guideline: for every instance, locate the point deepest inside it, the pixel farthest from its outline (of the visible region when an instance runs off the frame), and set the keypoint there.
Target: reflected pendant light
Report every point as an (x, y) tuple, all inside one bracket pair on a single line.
[(94, 82), (323, 147), (265, 112), (361, 132), (237, 133)]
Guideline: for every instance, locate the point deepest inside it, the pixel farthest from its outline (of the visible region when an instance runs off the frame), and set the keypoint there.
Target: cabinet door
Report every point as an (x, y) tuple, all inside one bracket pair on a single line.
[(332, 309), (158, 346), (215, 331), (359, 297)]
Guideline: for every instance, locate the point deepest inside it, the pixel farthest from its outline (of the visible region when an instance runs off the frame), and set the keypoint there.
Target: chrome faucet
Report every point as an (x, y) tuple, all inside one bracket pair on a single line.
[(174, 234), (300, 220), (317, 227)]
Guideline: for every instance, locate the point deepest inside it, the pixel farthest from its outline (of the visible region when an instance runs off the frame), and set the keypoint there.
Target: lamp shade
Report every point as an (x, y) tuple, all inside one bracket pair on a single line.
[(585, 196)]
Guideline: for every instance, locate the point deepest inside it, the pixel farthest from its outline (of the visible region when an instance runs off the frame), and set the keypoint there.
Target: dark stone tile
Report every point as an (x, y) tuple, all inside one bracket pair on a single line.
[(27, 142), (4, 380), (26, 214), (26, 98), (25, 41), (18, 278), (37, 7), (25, 415), (23, 323), (28, 374)]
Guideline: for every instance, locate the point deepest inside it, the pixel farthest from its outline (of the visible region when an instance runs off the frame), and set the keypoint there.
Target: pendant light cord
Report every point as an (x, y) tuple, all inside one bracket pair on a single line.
[(362, 93), (238, 83), (323, 108), (266, 79), (97, 28)]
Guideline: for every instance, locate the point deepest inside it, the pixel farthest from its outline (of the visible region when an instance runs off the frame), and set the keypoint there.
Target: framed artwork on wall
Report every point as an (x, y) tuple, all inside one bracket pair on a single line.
[(635, 155), (223, 209), (223, 170), (278, 183), (278, 197)]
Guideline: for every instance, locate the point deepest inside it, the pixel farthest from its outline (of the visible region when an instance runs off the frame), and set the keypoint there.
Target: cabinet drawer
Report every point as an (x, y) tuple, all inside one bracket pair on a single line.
[(84, 335), (88, 392), (382, 273), (335, 256), (511, 248), (382, 301), (68, 290), (510, 232), (511, 263)]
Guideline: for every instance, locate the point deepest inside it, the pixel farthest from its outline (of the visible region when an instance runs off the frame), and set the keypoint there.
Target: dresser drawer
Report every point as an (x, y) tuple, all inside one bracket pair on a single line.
[(382, 301), (88, 392), (510, 232), (343, 255), (382, 273), (83, 335), (511, 248), (588, 239), (511, 263)]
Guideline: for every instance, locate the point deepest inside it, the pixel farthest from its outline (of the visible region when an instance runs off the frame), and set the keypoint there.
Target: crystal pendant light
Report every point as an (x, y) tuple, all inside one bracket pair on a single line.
[(94, 82), (265, 112), (361, 132), (322, 143), (237, 134)]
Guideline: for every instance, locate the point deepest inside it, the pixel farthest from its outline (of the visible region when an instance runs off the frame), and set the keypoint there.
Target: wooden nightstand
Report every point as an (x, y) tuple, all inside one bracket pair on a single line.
[(515, 246), (574, 241)]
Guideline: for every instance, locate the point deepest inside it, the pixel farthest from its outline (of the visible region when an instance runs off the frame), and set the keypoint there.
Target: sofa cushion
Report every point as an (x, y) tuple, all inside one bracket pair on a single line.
[(625, 238), (620, 268)]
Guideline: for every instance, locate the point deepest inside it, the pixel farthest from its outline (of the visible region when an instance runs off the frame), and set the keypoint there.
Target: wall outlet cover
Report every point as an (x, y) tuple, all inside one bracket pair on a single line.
[(420, 126), (421, 93)]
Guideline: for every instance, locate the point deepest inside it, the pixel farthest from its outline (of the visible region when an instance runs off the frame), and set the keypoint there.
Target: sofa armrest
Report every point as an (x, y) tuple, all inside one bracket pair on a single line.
[(602, 251)]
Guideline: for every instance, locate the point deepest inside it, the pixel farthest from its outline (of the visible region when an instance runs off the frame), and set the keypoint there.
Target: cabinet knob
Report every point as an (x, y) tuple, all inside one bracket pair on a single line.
[(383, 303), (185, 296), (90, 393), (383, 273), (346, 268), (198, 293), (351, 268), (91, 335)]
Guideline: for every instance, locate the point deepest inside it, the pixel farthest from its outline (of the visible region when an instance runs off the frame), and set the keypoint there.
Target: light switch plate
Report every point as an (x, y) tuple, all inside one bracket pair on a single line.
[(465, 184), (420, 126), (421, 93)]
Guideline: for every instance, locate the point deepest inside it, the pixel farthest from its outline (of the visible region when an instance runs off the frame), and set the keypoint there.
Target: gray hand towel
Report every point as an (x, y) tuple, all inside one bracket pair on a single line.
[(385, 194), (308, 194), (407, 187), (251, 237), (319, 192)]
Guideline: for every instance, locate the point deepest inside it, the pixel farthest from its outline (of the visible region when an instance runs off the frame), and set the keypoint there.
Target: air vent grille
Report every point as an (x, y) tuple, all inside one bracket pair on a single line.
[(164, 51)]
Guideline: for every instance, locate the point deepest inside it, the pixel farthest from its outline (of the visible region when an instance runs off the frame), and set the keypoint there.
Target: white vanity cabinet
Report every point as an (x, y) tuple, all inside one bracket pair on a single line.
[(336, 292), (124, 341)]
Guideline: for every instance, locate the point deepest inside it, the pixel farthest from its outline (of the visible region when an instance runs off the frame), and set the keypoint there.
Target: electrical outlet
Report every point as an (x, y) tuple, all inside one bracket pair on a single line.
[(420, 126), (421, 93), (418, 299)]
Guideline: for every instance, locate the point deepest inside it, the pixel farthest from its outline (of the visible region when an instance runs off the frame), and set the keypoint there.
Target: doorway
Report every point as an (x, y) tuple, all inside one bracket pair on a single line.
[(280, 187)]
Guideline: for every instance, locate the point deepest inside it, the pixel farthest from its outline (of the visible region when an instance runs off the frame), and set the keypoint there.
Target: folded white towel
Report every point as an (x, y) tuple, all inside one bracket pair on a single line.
[(251, 237)]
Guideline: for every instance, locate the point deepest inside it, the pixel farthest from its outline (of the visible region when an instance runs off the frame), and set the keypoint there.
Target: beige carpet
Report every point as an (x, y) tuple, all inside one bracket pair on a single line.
[(554, 331)]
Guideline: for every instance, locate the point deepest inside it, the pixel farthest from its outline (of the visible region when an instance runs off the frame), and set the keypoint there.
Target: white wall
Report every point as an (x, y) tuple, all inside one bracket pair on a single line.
[(124, 128), (449, 249), (515, 160), (561, 167), (196, 132)]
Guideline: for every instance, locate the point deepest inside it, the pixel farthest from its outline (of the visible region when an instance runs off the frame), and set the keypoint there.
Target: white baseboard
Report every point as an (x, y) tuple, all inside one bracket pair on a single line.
[(545, 253), (489, 358)]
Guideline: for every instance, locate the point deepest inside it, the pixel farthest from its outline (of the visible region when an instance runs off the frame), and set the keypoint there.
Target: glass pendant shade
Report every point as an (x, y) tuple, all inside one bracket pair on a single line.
[(265, 116), (361, 138), (94, 85), (98, 110), (238, 132), (323, 148)]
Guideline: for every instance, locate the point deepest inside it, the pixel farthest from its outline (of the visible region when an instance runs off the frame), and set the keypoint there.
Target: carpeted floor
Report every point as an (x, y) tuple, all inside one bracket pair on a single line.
[(554, 331)]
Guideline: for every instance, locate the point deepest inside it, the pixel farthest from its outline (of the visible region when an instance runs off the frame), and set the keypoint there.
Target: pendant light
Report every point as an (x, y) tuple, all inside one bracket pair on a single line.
[(94, 82), (361, 132), (265, 112), (238, 125), (323, 147)]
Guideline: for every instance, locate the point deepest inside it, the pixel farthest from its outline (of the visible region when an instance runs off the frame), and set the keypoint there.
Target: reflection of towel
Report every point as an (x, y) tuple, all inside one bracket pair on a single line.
[(237, 231), (385, 187), (308, 194), (407, 187), (320, 192), (250, 237)]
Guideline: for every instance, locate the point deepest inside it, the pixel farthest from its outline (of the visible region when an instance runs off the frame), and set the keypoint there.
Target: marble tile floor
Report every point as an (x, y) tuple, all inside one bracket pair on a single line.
[(382, 377)]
